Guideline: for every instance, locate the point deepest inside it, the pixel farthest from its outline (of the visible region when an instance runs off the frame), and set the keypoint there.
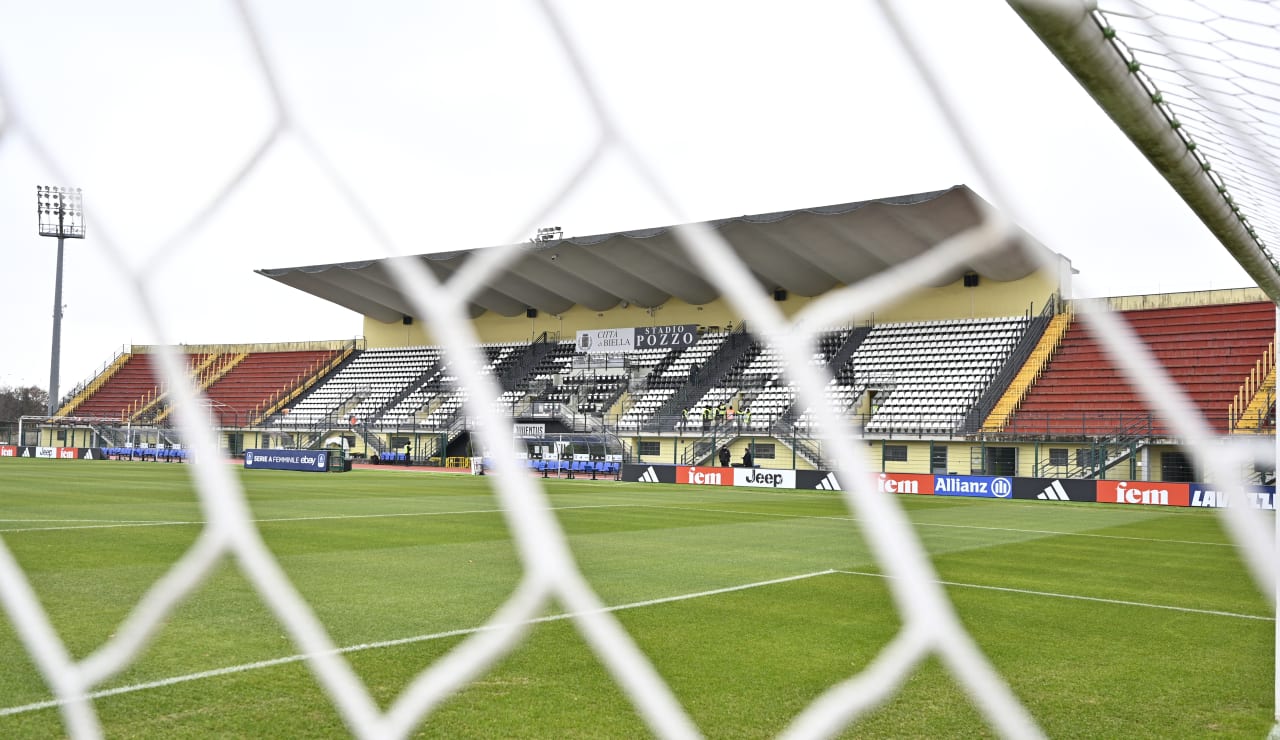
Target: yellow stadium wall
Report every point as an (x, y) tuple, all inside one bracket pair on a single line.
[(1028, 457), (1189, 298), (988, 298), (670, 449)]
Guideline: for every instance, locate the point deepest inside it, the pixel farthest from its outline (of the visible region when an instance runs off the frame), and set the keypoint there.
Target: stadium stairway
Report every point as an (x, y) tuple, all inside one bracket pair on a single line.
[(285, 396), (1255, 403), (210, 372), (132, 385), (94, 385), (1029, 372)]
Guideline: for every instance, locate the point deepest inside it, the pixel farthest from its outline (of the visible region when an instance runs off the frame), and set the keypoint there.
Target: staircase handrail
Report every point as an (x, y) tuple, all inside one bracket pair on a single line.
[(1018, 357), (92, 383), (705, 375), (289, 393), (1249, 388), (1127, 435), (538, 349)]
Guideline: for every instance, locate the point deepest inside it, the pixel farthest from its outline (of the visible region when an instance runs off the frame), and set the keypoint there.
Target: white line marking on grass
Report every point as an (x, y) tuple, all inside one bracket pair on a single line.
[(295, 518), (96, 526), (951, 526), (244, 667), (99, 521), (1055, 533), (1097, 599)]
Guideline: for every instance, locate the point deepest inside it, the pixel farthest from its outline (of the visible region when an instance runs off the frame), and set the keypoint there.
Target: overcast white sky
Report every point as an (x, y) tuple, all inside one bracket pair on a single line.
[(457, 122)]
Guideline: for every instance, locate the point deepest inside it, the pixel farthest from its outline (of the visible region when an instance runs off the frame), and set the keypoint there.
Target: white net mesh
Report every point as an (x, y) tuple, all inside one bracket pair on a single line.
[(293, 132), (1215, 69)]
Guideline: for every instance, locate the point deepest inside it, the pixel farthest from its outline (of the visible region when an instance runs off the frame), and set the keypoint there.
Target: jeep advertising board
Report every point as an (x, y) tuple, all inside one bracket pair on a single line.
[(760, 478)]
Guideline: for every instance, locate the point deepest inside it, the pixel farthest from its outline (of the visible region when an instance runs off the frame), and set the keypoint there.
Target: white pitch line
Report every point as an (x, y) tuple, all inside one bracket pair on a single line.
[(293, 518), (51, 703), (1076, 597), (1056, 533), (96, 526), (99, 521), (950, 526)]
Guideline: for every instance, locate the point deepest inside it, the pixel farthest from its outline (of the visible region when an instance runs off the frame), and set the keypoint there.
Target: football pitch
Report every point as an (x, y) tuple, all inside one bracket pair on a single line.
[(1106, 620)]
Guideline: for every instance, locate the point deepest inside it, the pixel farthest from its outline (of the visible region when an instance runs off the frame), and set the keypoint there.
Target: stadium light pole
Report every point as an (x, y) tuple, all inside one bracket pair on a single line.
[(60, 213)]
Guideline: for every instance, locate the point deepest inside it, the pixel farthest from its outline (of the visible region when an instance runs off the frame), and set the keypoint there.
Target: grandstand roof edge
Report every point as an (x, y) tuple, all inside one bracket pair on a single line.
[(806, 251)]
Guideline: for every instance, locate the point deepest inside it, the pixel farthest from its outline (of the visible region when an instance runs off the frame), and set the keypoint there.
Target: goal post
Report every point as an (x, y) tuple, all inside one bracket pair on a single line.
[(1080, 37), (1227, 179)]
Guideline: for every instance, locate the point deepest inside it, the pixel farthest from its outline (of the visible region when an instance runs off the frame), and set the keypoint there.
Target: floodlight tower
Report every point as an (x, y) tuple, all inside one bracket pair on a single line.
[(60, 212)]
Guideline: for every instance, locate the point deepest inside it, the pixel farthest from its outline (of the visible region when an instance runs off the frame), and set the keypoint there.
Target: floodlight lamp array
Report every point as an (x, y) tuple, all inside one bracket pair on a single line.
[(60, 211), (550, 234)]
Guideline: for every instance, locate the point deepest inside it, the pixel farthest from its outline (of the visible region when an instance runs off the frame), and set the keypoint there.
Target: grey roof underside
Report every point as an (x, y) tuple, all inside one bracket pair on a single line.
[(805, 252)]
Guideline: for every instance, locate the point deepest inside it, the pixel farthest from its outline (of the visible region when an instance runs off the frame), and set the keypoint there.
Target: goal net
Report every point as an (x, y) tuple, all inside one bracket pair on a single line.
[(1196, 94)]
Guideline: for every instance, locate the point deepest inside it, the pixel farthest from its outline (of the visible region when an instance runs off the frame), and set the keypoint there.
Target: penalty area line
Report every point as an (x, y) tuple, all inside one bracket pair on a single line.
[(244, 667), (1077, 597)]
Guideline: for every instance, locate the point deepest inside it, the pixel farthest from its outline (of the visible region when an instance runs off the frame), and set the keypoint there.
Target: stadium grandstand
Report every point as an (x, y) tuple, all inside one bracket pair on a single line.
[(611, 348)]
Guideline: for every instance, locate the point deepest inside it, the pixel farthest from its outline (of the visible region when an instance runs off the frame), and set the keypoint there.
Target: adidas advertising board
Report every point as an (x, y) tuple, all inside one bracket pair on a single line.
[(1253, 496), (312, 461), (1143, 492), (979, 486), (642, 473), (760, 478), (824, 480), (1054, 489), (817, 480)]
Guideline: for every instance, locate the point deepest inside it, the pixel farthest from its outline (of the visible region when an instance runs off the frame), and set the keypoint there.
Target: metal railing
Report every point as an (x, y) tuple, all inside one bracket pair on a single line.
[(1013, 364)]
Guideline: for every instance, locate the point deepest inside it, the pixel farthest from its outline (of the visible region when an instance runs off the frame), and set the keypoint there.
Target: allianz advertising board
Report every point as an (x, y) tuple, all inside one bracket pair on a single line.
[(313, 461), (980, 486)]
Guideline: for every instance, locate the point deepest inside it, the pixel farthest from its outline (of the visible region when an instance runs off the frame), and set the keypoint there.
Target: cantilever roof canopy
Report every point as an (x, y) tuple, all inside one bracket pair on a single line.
[(805, 252)]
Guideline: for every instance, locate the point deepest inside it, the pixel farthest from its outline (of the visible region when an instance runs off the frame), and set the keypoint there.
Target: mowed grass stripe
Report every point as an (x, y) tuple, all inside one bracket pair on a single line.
[(460, 632), (743, 663), (284, 660)]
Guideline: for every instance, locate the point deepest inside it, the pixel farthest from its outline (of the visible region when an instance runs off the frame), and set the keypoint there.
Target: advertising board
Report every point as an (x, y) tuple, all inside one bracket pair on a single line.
[(1141, 492), (637, 473), (314, 461), (705, 476), (1055, 489), (1253, 496), (980, 486), (757, 478)]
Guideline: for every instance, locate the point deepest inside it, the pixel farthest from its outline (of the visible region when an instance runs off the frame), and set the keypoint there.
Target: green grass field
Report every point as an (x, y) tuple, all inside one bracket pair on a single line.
[(1160, 645)]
